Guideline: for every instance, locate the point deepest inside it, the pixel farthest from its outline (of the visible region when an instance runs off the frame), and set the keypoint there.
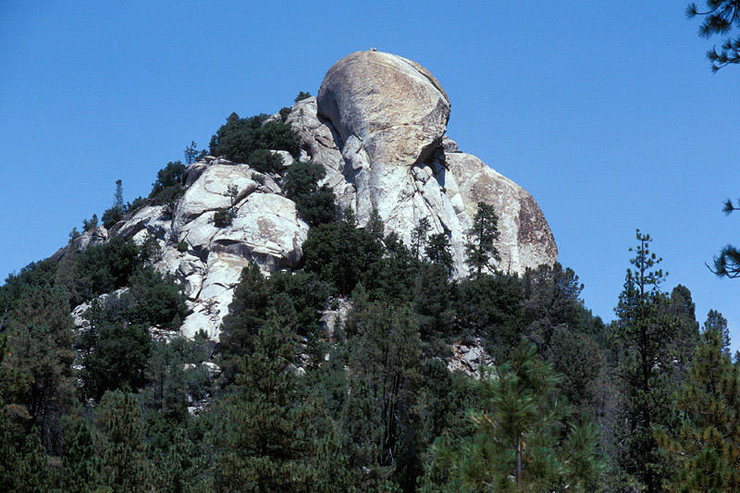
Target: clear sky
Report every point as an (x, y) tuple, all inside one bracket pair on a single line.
[(606, 112)]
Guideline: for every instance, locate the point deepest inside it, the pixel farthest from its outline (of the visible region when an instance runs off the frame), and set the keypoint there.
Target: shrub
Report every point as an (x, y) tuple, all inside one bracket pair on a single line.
[(240, 137), (112, 216), (265, 161), (137, 204), (182, 246), (302, 95), (284, 113), (155, 299), (91, 224), (169, 185), (314, 205), (223, 218)]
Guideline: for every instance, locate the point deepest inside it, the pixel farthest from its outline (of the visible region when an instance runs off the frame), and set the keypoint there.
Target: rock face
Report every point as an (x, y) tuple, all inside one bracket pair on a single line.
[(378, 127)]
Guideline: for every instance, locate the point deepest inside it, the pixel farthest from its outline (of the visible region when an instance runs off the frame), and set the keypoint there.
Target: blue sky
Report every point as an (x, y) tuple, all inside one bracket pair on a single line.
[(608, 115)]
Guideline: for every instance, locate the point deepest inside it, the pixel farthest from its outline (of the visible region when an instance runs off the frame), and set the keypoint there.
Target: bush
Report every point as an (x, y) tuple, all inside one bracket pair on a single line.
[(155, 299), (182, 246), (240, 137), (314, 205), (223, 218), (339, 253), (265, 161), (169, 185), (302, 95), (112, 216)]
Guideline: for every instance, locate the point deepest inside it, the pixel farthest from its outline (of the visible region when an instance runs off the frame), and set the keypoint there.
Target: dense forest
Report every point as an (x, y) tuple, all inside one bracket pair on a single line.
[(288, 401)]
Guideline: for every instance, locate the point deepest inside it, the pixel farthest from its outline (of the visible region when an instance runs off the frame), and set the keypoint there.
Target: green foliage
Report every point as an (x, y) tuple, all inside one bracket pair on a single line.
[(81, 465), (302, 95), (314, 204), (223, 217), (169, 185), (480, 247), (644, 331), (490, 307), (438, 251), (433, 304), (114, 352), (339, 253), (265, 161), (114, 214), (90, 225), (720, 18), (37, 376), (192, 154), (125, 466), (385, 358), (102, 268), (240, 137), (263, 440), (155, 299), (524, 441), (255, 295), (704, 448)]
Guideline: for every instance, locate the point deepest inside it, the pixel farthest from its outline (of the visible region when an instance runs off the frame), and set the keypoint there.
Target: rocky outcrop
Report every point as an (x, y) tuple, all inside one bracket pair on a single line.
[(378, 127)]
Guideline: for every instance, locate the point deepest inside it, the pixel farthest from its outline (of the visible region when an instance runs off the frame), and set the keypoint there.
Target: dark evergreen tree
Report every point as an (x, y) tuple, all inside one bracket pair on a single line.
[(247, 314), (81, 464), (38, 369), (480, 247), (644, 330), (705, 447), (438, 251), (125, 467), (339, 253), (419, 237), (524, 441), (264, 441)]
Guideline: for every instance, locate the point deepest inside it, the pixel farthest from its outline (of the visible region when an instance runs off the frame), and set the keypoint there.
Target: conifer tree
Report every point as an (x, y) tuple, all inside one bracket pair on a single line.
[(263, 443), (81, 464), (644, 330), (524, 441), (705, 447), (480, 248), (125, 466), (419, 236), (438, 251), (33, 474)]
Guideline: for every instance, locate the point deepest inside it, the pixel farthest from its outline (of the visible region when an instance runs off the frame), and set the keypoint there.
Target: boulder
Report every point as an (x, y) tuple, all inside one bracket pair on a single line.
[(394, 106)]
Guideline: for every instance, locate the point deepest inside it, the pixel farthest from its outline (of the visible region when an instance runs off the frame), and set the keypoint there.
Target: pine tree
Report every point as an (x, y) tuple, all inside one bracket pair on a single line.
[(721, 17), (263, 443), (247, 313), (125, 466), (380, 417), (33, 471), (524, 441), (419, 236), (81, 464), (645, 331), (705, 447), (481, 248), (39, 364), (438, 251)]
